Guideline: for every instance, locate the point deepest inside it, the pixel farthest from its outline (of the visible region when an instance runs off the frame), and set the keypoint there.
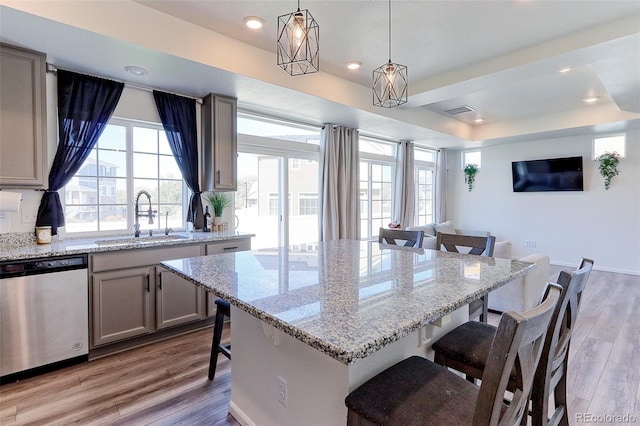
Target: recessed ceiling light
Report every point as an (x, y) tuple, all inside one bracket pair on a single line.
[(479, 120), (136, 70), (253, 22), (353, 65), (565, 69), (590, 99)]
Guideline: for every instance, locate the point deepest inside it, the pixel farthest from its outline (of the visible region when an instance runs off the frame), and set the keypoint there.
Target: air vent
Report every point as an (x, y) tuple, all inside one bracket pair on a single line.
[(459, 110)]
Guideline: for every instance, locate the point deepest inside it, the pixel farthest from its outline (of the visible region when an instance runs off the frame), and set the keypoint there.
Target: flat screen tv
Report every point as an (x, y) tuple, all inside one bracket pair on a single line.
[(554, 174)]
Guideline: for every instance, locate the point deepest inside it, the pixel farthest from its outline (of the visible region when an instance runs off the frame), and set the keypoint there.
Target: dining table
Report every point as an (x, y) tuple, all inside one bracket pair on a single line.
[(309, 326)]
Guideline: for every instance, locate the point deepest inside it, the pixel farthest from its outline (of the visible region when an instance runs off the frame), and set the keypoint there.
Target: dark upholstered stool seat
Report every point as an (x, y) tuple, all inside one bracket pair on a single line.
[(469, 342), (223, 309), (413, 392)]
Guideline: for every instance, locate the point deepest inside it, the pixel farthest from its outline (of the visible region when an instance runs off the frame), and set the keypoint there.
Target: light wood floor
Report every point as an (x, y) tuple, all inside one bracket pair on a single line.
[(166, 383)]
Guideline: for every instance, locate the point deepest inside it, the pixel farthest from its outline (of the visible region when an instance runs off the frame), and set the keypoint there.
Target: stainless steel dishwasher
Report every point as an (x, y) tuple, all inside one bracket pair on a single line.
[(44, 316)]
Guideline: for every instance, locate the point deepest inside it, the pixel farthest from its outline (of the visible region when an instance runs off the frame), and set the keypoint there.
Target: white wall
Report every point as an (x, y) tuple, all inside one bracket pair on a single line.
[(598, 224)]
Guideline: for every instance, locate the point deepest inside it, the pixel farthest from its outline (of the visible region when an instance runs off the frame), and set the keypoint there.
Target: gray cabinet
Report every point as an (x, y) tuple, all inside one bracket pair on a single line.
[(219, 143), (178, 301), (131, 295), (23, 141), (121, 305)]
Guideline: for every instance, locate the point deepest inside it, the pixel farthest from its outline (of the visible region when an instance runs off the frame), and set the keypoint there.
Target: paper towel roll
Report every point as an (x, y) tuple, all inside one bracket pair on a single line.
[(10, 201)]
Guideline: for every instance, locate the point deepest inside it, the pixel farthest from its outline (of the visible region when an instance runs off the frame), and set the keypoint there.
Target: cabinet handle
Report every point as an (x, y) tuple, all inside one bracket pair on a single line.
[(218, 177), (160, 281), (148, 280), (230, 248)]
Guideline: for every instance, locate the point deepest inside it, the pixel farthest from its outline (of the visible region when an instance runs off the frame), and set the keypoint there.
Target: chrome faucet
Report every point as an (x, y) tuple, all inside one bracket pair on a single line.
[(149, 213)]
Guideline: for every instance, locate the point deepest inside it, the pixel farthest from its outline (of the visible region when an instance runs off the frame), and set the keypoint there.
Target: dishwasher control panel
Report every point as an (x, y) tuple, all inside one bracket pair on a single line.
[(19, 268)]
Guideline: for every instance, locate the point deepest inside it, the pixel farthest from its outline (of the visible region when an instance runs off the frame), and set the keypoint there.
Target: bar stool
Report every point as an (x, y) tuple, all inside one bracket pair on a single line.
[(418, 392), (466, 349), (223, 308)]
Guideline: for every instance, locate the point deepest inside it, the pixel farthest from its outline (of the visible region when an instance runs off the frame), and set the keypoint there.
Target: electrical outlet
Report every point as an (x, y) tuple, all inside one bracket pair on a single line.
[(282, 391), (530, 243)]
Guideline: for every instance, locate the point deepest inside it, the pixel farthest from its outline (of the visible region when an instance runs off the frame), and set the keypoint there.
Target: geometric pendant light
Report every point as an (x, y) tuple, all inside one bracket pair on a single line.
[(298, 43), (390, 81)]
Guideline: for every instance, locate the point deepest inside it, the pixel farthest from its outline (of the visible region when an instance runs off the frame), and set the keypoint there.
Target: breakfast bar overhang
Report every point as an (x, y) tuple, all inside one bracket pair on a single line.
[(309, 327)]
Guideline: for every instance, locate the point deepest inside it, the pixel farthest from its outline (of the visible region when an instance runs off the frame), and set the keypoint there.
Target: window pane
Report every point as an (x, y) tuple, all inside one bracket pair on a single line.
[(113, 137), (471, 157), (609, 144), (113, 217), (170, 191), (112, 163), (89, 168), (163, 143), (145, 140), (377, 147), (262, 126), (149, 185), (169, 168), (81, 218), (423, 155), (145, 166)]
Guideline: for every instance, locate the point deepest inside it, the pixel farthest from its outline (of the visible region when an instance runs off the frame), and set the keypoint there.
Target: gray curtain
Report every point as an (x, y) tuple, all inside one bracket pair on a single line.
[(404, 200), (339, 181), (440, 214)]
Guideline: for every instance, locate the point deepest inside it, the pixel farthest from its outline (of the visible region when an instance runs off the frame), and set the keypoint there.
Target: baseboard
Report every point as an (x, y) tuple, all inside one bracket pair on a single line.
[(572, 266), (239, 415)]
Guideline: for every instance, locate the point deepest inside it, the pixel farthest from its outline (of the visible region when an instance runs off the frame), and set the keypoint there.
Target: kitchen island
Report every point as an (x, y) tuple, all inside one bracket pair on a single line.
[(309, 327)]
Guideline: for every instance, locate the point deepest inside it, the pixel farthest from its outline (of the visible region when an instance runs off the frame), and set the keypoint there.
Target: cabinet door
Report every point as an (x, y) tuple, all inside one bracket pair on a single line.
[(178, 301), (23, 145), (121, 304), (220, 146)]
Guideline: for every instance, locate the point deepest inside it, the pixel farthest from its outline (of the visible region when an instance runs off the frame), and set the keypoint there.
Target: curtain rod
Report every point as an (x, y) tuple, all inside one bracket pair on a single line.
[(53, 69)]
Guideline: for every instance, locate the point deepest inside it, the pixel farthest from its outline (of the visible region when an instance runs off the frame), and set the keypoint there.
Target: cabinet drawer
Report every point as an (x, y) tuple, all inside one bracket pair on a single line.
[(141, 257), (229, 246)]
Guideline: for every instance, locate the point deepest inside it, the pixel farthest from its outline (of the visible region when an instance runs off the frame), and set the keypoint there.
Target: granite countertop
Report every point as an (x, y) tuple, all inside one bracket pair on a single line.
[(350, 298), (27, 249)]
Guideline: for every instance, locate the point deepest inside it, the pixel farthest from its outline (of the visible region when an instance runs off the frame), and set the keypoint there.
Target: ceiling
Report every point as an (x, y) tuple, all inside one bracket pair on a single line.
[(501, 58)]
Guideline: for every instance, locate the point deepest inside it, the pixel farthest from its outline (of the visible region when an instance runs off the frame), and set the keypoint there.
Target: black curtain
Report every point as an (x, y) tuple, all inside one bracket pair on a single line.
[(85, 105), (178, 115)]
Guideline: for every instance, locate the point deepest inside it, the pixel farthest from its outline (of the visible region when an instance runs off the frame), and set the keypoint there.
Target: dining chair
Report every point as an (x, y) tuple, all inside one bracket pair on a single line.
[(478, 245), (467, 347), (416, 391), (223, 309), (395, 236)]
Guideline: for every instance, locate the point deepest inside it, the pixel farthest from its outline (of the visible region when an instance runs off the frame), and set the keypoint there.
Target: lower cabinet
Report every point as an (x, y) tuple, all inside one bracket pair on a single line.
[(132, 296), (121, 302), (178, 301)]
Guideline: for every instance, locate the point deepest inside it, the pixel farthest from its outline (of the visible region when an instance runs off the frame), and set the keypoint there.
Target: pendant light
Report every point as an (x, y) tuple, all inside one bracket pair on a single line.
[(298, 42), (390, 81)]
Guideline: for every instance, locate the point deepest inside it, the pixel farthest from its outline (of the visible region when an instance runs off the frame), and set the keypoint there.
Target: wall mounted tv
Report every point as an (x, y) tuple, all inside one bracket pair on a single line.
[(554, 174)]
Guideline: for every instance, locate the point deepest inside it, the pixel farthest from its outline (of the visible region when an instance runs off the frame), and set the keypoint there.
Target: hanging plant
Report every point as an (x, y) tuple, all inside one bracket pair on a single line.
[(608, 165), (470, 171)]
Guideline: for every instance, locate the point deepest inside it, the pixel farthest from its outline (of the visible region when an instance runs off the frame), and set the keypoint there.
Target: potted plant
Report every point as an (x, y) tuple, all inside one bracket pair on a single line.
[(470, 171), (608, 165), (218, 201)]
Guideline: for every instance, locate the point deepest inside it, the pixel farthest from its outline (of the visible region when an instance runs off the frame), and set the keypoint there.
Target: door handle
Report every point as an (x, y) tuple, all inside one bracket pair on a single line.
[(218, 177), (230, 248), (148, 281), (160, 281)]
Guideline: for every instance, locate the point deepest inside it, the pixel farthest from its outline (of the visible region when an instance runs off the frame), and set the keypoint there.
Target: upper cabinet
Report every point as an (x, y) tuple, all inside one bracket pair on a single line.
[(23, 123), (219, 143)]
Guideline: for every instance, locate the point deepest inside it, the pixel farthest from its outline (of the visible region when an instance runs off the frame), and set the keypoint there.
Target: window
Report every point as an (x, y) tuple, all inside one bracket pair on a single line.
[(377, 163), (614, 143), (277, 182), (471, 157), (128, 157), (424, 183), (308, 203)]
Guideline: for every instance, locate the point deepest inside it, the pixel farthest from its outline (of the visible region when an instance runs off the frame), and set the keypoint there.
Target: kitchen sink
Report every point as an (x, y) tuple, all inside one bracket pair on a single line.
[(140, 240)]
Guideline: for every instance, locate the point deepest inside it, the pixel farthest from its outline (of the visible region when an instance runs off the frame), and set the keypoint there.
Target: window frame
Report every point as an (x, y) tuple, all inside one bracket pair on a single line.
[(129, 125), (427, 166)]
